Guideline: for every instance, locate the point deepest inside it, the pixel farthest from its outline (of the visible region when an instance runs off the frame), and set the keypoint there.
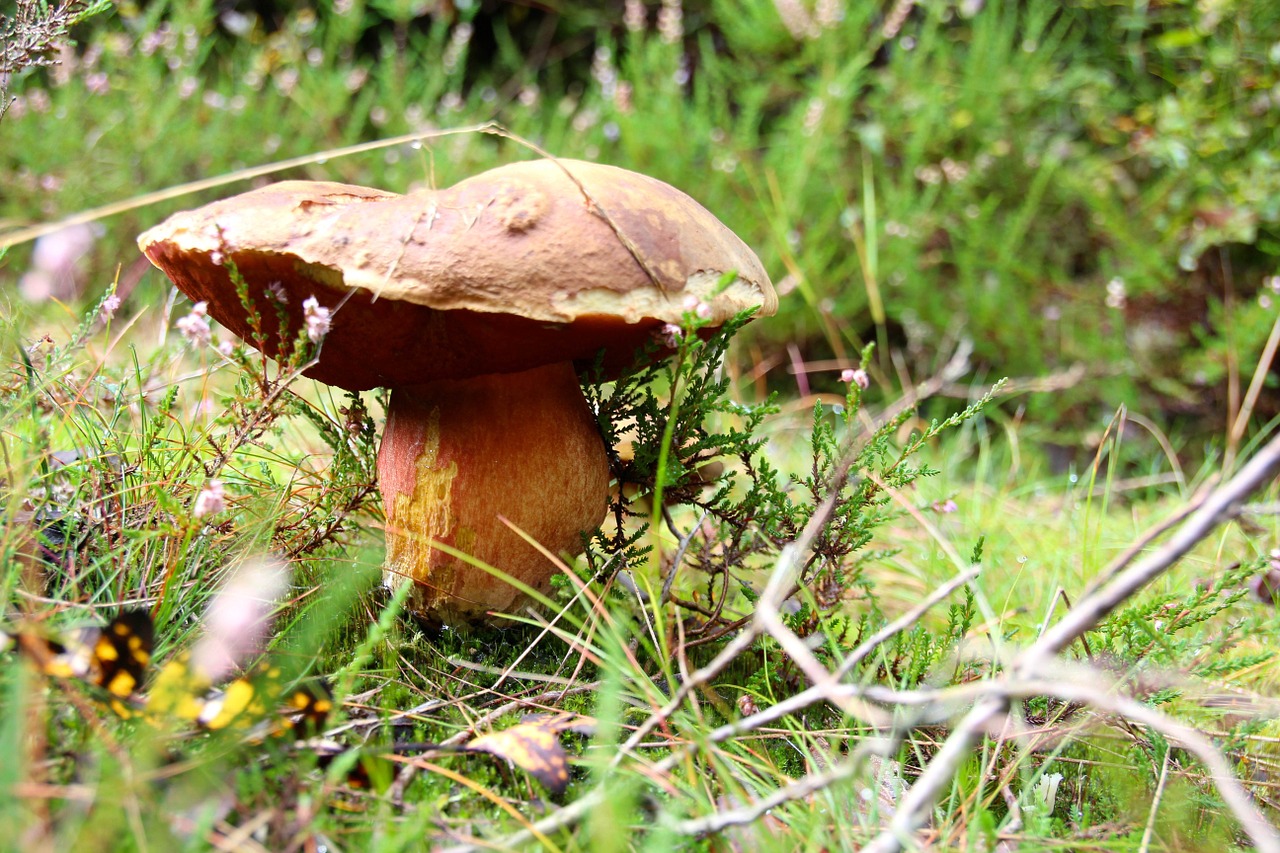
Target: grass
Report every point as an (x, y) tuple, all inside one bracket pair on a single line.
[(897, 168), (1084, 183), (86, 775)]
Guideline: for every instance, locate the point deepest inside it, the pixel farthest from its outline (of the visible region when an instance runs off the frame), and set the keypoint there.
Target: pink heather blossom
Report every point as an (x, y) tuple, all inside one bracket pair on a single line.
[(670, 335), (859, 377), (97, 83), (277, 291), (110, 306), (226, 348), (239, 617), (318, 319), (945, 507), (697, 306), (216, 257), (211, 500), (195, 327), (56, 262)]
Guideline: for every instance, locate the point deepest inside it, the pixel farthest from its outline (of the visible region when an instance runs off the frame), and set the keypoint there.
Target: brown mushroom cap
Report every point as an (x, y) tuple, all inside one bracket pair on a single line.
[(524, 265)]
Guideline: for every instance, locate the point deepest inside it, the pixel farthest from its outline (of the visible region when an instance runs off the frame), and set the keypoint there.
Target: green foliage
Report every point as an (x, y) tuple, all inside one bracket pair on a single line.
[(1170, 628), (1067, 183), (120, 455), (677, 418)]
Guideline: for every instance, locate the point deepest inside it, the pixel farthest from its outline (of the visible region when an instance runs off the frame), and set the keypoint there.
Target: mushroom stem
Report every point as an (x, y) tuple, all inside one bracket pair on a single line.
[(459, 456)]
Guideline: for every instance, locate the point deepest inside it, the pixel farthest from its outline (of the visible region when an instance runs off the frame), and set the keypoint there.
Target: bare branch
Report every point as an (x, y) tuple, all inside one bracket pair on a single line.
[(913, 811), (1218, 506)]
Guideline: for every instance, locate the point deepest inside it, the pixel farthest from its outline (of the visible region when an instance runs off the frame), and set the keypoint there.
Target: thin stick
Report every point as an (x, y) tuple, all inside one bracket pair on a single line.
[(1260, 374), (797, 790), (1217, 506), (1145, 846), (23, 235), (917, 803)]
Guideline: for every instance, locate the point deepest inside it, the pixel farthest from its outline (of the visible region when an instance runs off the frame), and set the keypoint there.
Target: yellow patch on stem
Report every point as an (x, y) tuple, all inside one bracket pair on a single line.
[(426, 513)]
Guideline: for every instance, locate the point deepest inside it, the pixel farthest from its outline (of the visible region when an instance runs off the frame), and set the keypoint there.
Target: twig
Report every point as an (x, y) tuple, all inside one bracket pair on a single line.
[(785, 568), (797, 790), (685, 541), (1151, 534), (1217, 506), (1145, 846), (913, 811), (1260, 374), (567, 816), (1260, 832), (579, 808)]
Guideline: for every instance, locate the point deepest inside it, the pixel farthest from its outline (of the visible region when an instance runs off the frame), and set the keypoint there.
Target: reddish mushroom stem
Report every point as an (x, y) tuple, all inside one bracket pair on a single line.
[(459, 456)]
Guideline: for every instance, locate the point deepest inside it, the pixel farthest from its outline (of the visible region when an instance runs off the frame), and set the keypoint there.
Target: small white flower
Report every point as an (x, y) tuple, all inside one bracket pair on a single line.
[(226, 348), (217, 257), (110, 306), (1115, 293), (212, 499), (195, 326), (317, 318)]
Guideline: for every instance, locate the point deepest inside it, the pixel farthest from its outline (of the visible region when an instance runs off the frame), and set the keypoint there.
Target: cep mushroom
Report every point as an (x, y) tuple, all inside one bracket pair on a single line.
[(473, 304)]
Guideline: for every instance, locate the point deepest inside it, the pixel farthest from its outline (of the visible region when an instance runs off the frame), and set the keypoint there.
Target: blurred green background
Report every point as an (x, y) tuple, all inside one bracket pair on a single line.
[(1088, 190)]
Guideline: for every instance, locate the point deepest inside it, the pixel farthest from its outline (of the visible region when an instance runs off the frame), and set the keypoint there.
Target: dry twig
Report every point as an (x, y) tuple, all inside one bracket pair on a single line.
[(913, 811)]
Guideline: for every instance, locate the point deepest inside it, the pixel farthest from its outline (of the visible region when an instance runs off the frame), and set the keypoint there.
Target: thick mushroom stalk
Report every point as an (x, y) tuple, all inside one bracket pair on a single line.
[(461, 455)]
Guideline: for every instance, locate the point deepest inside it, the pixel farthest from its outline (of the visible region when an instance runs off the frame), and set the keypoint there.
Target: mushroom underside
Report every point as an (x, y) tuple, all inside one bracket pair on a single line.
[(383, 343)]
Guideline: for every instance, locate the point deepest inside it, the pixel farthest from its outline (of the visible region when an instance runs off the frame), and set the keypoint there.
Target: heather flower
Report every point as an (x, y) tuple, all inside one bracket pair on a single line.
[(110, 306), (858, 377), (670, 335), (1115, 293), (945, 507), (277, 291), (195, 326), (238, 618), (671, 21), (697, 306), (97, 83), (211, 500), (317, 318), (634, 15)]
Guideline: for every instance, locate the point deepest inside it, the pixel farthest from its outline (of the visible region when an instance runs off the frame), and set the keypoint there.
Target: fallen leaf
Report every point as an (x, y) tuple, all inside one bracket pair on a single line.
[(534, 748)]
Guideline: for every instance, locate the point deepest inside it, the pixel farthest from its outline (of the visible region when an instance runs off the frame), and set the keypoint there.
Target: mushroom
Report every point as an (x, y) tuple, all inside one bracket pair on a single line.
[(472, 304)]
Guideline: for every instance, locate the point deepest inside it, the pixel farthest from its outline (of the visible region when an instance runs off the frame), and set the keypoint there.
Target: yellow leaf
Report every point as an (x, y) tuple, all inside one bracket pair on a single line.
[(532, 747)]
